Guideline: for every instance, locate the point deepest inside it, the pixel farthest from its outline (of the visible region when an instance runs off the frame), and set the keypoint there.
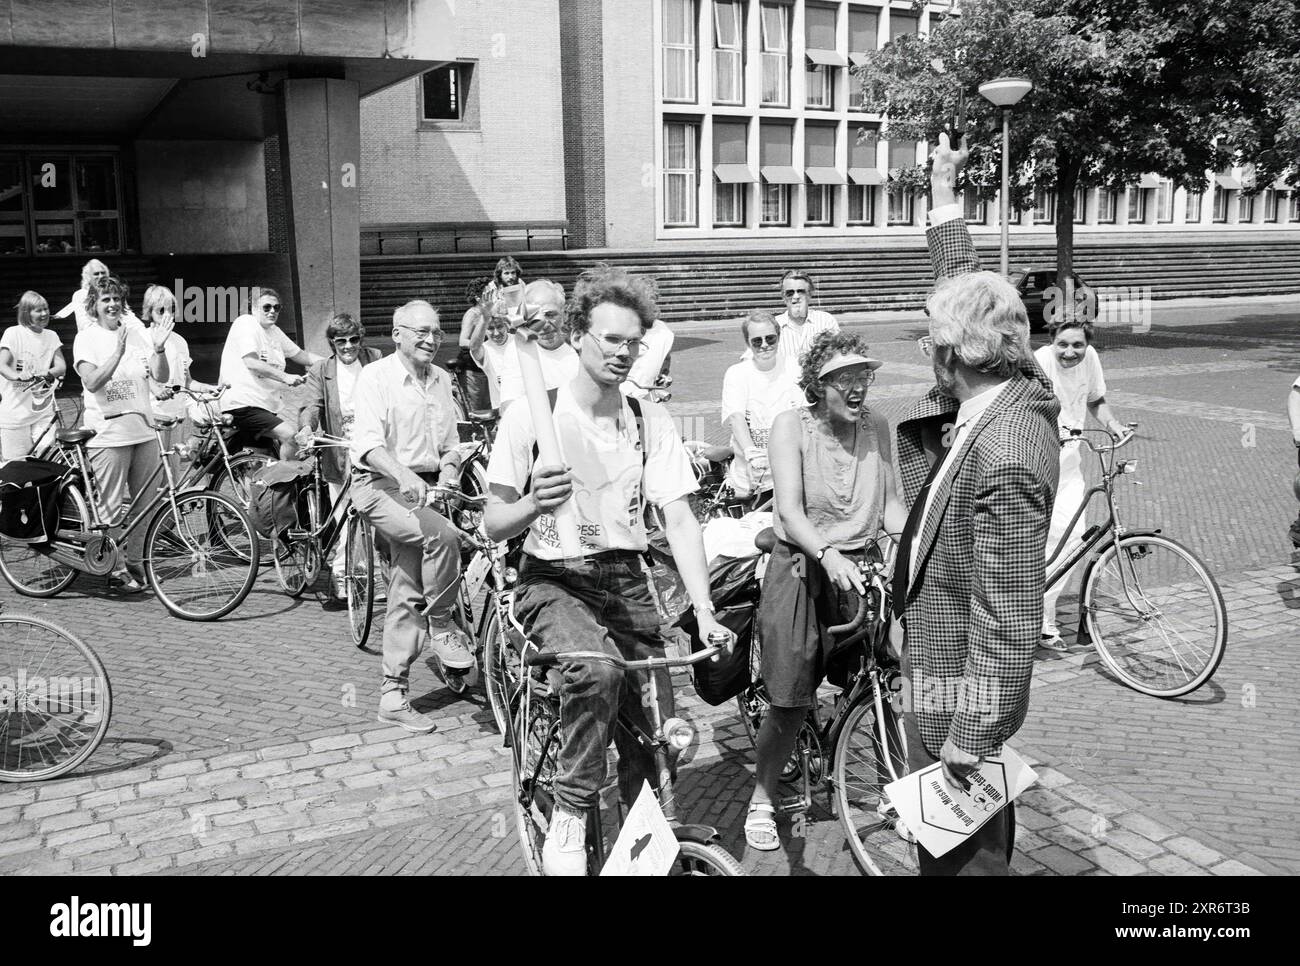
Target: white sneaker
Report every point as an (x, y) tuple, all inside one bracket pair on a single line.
[(565, 850), (452, 648)]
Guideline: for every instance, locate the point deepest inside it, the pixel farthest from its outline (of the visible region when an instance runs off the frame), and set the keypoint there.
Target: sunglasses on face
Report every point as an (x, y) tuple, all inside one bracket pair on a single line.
[(270, 308), (792, 292), (764, 341), (344, 341)]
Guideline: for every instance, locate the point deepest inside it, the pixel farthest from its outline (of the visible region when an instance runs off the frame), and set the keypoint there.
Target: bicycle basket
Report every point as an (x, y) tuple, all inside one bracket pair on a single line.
[(280, 492), (29, 499)]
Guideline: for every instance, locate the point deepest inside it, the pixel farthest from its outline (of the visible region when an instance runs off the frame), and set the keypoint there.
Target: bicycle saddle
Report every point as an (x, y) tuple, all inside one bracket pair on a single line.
[(75, 436), (766, 540), (484, 416)]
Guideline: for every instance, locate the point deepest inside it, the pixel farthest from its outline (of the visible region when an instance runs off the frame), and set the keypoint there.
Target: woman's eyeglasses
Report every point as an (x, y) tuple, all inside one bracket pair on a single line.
[(847, 383), (764, 341), (344, 341)]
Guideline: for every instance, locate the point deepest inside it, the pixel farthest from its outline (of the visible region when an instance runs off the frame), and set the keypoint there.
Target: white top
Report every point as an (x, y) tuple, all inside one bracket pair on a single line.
[(559, 366), (760, 397), (655, 346), (127, 391), (77, 307), (967, 416), (32, 352), (415, 421), (1075, 387), (606, 464), (179, 361), (347, 379), (272, 346)]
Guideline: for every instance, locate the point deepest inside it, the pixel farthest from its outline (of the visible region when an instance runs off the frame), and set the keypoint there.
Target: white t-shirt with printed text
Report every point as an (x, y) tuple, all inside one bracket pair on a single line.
[(760, 397), (32, 352), (128, 390), (272, 346), (607, 472)]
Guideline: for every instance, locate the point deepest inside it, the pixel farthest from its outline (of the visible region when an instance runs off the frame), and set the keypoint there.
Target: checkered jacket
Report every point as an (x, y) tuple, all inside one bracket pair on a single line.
[(974, 608)]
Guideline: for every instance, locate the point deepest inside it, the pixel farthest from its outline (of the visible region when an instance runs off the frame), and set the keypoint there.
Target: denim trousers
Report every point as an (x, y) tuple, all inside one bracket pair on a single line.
[(602, 604)]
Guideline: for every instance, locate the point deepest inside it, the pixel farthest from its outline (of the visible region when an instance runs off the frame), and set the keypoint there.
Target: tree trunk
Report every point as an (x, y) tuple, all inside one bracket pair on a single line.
[(1067, 168)]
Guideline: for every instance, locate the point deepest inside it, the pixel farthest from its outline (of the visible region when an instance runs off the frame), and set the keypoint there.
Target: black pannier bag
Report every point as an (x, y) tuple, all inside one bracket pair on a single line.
[(279, 493), (30, 492), (734, 589)]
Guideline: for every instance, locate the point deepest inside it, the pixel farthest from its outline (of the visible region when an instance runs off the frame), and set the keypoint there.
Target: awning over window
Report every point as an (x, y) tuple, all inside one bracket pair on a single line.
[(777, 174), (858, 60), (734, 173), (828, 58), (1149, 181), (824, 176), (866, 176), (1227, 181)]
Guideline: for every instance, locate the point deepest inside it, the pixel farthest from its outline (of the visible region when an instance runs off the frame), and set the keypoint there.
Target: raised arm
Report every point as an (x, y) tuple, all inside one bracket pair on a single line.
[(951, 250)]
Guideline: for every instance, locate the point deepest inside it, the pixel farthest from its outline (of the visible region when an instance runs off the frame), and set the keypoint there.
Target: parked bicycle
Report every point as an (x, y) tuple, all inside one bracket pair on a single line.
[(860, 746), (1149, 606), (200, 548), (55, 699)]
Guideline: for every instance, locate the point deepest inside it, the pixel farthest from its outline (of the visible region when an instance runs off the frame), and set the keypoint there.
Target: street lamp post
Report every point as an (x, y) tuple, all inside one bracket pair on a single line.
[(1006, 92)]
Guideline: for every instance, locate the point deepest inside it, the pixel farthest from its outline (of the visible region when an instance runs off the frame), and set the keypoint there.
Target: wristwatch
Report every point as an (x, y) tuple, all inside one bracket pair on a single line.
[(822, 552)]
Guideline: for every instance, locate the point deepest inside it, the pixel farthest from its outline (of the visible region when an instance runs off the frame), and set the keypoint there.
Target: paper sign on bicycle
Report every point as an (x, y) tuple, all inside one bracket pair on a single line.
[(646, 844), (942, 820)]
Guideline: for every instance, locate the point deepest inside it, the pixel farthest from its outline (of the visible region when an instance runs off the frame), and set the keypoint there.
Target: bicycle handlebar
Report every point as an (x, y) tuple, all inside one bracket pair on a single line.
[(547, 659)]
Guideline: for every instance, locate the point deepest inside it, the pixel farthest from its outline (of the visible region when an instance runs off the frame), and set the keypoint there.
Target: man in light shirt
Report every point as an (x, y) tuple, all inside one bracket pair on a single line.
[(403, 440), (799, 324)]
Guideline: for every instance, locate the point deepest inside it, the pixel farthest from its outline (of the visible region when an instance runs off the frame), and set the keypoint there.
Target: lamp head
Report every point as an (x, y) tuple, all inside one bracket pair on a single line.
[(1006, 91)]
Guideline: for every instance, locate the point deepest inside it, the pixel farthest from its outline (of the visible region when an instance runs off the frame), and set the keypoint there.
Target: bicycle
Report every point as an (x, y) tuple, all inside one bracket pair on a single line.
[(55, 699), (200, 548), (1162, 627), (862, 737), (534, 738)]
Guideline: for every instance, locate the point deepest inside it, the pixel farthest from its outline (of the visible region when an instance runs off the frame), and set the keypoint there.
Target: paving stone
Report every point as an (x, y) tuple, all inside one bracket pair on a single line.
[(1061, 861), (1193, 851), (1114, 861)]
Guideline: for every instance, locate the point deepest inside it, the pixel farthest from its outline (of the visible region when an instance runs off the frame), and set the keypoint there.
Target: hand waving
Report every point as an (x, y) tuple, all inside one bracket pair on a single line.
[(946, 165), (160, 332)]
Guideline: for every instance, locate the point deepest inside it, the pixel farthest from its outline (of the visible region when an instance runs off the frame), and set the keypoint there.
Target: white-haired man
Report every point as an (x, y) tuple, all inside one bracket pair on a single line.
[(404, 439), (543, 308), (978, 461)]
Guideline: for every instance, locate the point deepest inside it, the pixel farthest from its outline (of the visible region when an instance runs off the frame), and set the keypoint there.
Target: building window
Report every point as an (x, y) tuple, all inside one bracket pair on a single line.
[(776, 55), (732, 175), (819, 46), (1295, 205), (901, 23), (73, 201), (776, 205), (1220, 204), (13, 207), (1137, 205), (1165, 201), (902, 154), (446, 92), (1080, 205), (973, 208), (775, 158), (728, 52), (1245, 207), (679, 50), (1271, 206), (1044, 207), (680, 178), (862, 205), (819, 85), (820, 205), (1107, 206), (1192, 215), (822, 174), (864, 36)]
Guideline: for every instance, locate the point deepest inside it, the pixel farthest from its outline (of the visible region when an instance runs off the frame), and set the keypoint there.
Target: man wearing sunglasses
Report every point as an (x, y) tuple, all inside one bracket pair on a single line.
[(404, 440), (328, 407), (800, 323), (253, 366), (601, 600)]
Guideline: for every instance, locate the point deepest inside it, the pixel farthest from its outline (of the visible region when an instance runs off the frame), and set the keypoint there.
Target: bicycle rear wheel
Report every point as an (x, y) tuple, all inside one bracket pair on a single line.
[(29, 569), (535, 746), (190, 557), (1156, 615), (297, 563), (359, 578), (870, 753), (55, 700), (233, 482), (696, 859)]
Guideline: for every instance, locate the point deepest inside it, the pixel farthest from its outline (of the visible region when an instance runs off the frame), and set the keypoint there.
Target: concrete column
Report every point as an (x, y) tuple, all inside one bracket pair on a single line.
[(321, 155)]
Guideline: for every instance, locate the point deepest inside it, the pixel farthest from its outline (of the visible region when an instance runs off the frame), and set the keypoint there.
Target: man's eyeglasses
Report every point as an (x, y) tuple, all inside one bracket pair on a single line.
[(270, 308), (344, 341), (424, 335), (612, 343), (846, 382), (792, 292), (764, 341), (926, 345)]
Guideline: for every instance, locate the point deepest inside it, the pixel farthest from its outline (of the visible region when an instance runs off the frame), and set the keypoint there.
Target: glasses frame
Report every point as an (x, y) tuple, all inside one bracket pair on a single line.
[(926, 345), (271, 308), (788, 293), (435, 335), (762, 341), (346, 340), (865, 380), (603, 340)]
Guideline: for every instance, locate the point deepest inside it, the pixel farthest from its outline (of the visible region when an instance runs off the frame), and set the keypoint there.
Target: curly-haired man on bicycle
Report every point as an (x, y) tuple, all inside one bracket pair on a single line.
[(599, 600)]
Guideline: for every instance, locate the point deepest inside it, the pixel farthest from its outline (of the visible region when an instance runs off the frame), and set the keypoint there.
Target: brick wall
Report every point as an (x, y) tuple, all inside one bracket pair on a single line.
[(508, 168), (630, 178), (582, 69)]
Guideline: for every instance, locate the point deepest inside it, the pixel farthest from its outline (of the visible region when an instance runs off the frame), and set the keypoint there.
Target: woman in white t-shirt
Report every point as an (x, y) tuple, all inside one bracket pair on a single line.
[(1074, 368), (252, 365), (31, 358), (116, 363), (160, 306), (754, 392)]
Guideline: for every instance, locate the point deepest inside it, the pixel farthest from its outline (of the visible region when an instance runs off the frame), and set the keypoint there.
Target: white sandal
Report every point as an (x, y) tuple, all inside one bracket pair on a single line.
[(760, 827)]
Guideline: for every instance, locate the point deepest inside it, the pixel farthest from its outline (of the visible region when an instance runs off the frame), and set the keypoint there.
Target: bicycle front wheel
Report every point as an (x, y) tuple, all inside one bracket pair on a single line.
[(29, 569), (870, 753), (1156, 615), (55, 700), (201, 555), (696, 859), (359, 578)]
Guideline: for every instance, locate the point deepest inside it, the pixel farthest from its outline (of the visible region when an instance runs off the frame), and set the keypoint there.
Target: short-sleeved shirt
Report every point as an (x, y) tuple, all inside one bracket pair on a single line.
[(414, 420), (128, 390), (179, 361), (1075, 387), (607, 472), (559, 366), (759, 397), (272, 346), (32, 352)]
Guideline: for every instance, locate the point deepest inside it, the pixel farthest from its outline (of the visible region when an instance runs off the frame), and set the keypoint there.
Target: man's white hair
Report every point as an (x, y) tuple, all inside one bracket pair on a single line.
[(410, 308), (981, 317)]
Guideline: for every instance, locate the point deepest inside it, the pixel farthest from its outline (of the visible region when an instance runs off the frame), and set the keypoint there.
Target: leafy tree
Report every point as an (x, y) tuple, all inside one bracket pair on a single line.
[(1121, 88)]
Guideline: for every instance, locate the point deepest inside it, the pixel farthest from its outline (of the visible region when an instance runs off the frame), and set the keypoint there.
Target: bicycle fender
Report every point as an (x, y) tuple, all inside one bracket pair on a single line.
[(699, 834), (1081, 634)]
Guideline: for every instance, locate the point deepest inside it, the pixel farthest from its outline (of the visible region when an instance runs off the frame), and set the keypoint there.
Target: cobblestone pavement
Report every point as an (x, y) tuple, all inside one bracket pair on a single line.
[(250, 745)]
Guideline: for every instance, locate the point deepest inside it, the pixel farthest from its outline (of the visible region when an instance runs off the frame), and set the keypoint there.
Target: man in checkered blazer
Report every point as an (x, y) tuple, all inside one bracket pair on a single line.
[(978, 459)]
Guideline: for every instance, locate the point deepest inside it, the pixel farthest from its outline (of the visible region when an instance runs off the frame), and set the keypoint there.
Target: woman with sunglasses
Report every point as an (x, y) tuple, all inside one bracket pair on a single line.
[(252, 365), (835, 492), (754, 392)]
